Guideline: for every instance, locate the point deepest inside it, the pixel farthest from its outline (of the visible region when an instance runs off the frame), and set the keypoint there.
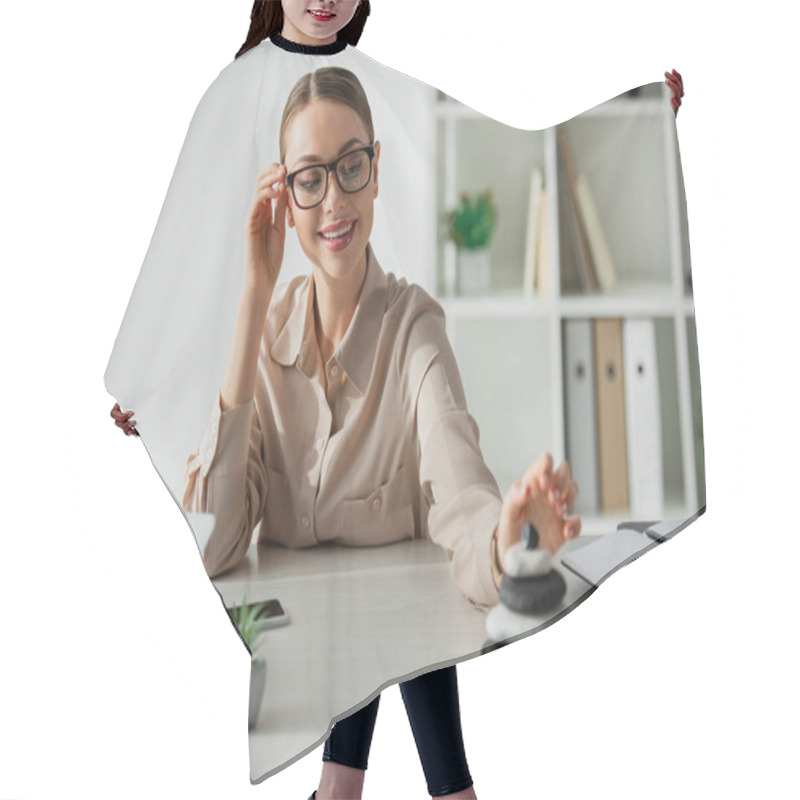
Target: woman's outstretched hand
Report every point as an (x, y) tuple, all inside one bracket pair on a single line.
[(675, 82), (124, 420), (265, 229), (544, 498)]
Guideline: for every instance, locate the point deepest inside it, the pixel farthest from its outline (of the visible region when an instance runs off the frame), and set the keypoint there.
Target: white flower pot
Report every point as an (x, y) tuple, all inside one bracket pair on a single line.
[(474, 271), (258, 680)]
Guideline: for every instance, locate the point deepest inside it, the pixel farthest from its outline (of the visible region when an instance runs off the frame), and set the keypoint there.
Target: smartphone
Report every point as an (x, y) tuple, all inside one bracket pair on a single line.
[(271, 615)]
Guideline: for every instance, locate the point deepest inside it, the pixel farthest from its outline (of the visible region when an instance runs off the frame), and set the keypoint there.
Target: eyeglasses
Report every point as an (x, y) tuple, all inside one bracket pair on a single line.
[(353, 170)]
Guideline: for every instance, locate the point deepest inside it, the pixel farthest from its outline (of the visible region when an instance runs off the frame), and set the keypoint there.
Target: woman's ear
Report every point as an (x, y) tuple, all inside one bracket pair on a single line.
[(375, 168), (289, 216)]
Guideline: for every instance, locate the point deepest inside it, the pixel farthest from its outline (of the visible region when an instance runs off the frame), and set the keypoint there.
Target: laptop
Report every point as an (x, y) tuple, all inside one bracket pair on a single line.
[(597, 561)]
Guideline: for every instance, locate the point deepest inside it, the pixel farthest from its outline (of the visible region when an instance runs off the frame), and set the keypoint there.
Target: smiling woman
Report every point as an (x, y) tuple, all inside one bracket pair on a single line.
[(316, 22)]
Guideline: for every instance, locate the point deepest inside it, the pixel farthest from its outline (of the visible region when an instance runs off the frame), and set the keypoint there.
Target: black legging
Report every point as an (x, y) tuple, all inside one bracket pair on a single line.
[(433, 711)]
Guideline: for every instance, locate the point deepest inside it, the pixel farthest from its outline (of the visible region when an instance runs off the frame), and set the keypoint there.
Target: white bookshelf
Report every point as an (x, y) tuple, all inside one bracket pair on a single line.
[(627, 150)]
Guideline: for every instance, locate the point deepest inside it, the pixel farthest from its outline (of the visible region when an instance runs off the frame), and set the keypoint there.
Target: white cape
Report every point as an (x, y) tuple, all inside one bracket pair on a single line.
[(170, 354)]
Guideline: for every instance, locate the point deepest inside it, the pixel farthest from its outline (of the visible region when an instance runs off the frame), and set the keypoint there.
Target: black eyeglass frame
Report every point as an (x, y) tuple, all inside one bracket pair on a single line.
[(331, 167)]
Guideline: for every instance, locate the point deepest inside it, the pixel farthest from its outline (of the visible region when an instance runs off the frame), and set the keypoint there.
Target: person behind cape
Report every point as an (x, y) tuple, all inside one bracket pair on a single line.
[(165, 365)]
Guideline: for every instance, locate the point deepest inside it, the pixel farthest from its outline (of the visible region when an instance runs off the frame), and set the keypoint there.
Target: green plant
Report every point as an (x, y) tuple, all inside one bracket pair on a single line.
[(473, 221), (245, 618)]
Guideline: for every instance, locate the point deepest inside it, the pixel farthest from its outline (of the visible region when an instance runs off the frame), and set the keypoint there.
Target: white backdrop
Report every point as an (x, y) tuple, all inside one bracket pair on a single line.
[(120, 675)]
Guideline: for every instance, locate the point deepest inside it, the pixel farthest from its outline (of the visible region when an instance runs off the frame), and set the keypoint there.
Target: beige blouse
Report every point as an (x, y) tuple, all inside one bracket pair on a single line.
[(390, 453)]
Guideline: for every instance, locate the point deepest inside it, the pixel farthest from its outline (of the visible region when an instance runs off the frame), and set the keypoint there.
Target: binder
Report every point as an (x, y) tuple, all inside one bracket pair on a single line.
[(643, 418), (532, 231), (612, 446), (581, 433)]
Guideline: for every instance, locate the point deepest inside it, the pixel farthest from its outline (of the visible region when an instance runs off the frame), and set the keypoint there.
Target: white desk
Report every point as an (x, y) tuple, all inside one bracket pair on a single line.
[(360, 619)]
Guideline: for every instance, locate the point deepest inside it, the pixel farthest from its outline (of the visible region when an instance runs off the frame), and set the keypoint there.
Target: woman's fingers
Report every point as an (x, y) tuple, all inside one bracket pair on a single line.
[(271, 174), (566, 502), (560, 485), (540, 473), (572, 528), (271, 191), (271, 181), (279, 219), (124, 421), (119, 415), (515, 503), (270, 187), (675, 83), (129, 426)]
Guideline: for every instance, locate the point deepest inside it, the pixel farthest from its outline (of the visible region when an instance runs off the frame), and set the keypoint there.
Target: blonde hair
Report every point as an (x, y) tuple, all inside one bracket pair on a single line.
[(328, 83)]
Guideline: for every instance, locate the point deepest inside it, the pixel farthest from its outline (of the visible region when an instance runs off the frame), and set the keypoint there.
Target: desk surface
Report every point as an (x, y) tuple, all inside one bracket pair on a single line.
[(360, 619)]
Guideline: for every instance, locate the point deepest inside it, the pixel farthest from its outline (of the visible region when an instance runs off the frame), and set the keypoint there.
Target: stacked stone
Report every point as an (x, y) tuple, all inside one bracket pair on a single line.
[(530, 588)]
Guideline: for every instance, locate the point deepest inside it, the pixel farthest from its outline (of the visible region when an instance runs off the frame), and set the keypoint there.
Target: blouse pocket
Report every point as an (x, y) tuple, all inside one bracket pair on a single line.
[(385, 515), (276, 524)]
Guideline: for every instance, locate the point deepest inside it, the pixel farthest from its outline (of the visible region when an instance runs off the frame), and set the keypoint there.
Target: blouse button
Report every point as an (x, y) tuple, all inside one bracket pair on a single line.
[(376, 504), (306, 521), (334, 371)]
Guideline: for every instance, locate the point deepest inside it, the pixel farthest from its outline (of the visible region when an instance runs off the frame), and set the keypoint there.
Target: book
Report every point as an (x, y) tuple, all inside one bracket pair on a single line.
[(643, 418), (586, 268), (581, 416), (598, 244), (612, 446), (542, 277), (532, 232)]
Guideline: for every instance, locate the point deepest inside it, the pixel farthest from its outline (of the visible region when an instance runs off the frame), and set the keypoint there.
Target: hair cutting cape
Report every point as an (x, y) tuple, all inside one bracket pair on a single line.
[(573, 330)]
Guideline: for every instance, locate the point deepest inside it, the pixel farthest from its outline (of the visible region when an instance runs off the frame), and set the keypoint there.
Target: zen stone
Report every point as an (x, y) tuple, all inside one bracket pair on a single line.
[(519, 562), (534, 595), (502, 624), (530, 537)]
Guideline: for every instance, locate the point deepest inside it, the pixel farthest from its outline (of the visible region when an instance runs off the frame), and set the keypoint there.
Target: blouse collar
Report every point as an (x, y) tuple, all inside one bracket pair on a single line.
[(291, 327), (308, 49)]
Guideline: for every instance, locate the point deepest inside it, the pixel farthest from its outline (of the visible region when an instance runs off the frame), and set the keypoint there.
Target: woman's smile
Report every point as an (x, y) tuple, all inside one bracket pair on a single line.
[(320, 15), (338, 235)]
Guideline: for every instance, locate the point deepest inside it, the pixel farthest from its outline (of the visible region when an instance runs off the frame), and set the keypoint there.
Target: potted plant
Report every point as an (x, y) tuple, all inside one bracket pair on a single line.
[(245, 618), (471, 226)]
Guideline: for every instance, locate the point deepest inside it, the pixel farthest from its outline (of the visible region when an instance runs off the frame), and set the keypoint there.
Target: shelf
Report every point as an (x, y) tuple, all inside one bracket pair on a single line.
[(499, 304), (624, 304), (631, 301), (626, 148)]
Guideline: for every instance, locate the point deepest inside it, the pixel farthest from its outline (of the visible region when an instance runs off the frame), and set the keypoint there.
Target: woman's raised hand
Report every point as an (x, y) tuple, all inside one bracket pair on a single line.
[(675, 82), (265, 229), (124, 420), (544, 498)]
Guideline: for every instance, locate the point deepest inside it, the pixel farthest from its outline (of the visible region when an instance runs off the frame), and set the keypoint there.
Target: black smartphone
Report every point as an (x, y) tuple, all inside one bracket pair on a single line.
[(271, 615)]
